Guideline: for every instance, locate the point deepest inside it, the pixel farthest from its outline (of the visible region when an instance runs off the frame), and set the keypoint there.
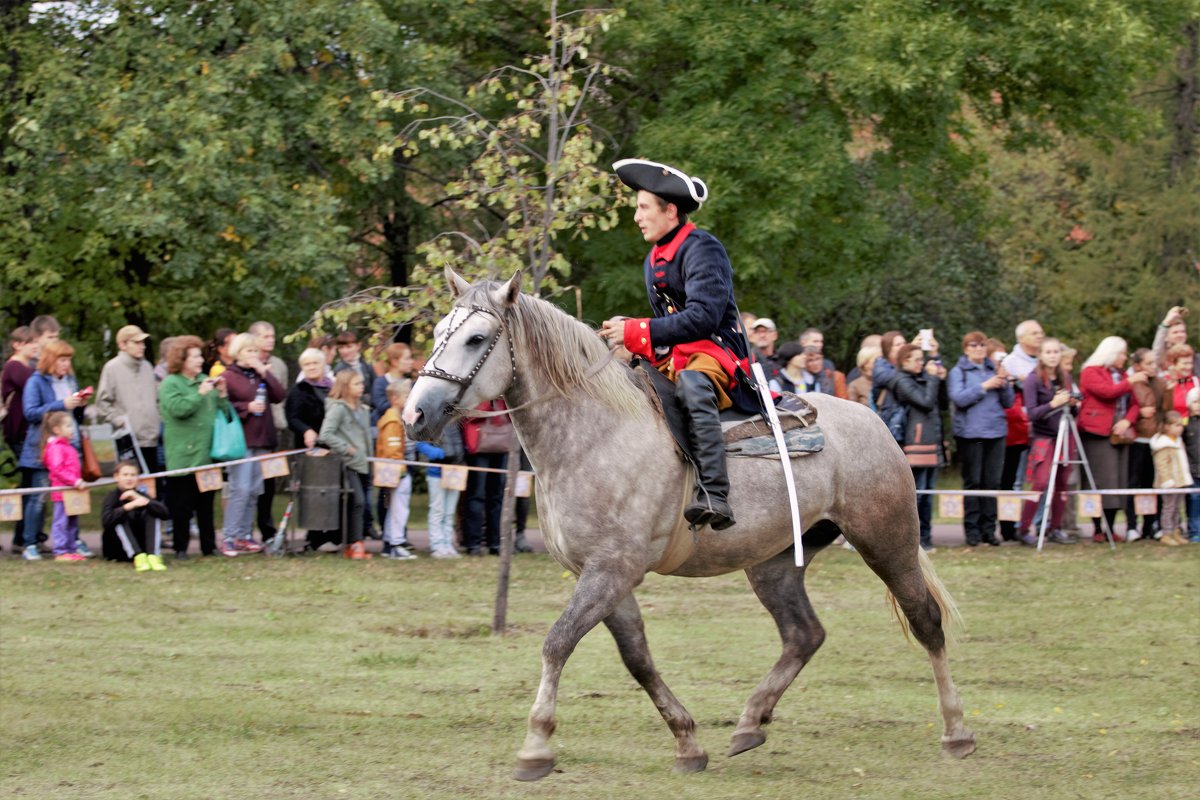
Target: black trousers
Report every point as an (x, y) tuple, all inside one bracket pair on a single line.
[(358, 486), (1141, 476), (1008, 480), (483, 499), (982, 465), (184, 499)]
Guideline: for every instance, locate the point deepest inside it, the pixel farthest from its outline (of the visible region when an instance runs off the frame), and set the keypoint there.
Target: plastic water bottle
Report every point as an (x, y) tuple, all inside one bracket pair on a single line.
[(260, 397)]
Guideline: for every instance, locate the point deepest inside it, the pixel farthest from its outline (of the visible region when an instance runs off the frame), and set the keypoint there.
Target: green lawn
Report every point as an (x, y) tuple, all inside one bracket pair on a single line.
[(315, 677)]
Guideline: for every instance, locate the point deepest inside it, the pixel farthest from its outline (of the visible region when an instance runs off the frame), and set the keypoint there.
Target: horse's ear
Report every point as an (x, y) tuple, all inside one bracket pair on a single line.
[(458, 286), (510, 290)]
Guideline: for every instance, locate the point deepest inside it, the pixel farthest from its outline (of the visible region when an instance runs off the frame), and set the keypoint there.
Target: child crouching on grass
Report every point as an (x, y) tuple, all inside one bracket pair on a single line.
[(1171, 471), (390, 444), (62, 461), (133, 522)]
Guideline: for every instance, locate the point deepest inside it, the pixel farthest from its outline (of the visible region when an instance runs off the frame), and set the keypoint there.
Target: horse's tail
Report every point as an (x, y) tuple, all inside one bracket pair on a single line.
[(951, 619)]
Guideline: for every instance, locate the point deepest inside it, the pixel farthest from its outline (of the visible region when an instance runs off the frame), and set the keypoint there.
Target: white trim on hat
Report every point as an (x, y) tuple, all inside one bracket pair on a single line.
[(688, 180)]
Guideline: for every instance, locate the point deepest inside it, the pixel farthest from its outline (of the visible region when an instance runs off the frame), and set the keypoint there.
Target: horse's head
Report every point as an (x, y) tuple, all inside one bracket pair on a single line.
[(472, 359)]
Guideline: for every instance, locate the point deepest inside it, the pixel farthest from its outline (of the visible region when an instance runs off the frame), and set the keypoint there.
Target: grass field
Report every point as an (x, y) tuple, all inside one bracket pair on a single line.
[(320, 678)]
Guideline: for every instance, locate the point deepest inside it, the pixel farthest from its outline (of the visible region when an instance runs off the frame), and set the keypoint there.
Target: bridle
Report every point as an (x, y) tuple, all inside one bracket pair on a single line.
[(464, 381)]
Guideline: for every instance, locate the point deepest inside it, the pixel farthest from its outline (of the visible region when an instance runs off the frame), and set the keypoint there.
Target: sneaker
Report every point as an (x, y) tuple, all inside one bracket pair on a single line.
[(140, 563), (928, 548), (1029, 540), (70, 557), (357, 551), (1169, 540), (247, 546), (228, 548), (1058, 537), (156, 562), (181, 555), (82, 549), (446, 552), (31, 553), (1132, 535), (397, 552)]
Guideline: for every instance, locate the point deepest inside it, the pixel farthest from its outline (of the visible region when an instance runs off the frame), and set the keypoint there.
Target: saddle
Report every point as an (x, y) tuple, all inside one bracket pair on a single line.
[(746, 435)]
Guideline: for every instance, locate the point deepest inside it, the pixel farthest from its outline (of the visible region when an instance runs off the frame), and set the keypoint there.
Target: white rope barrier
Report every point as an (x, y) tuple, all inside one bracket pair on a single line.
[(96, 484)]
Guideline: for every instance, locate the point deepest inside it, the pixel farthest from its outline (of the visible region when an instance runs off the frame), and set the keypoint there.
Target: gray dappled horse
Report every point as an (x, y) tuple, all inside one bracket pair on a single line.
[(611, 491)]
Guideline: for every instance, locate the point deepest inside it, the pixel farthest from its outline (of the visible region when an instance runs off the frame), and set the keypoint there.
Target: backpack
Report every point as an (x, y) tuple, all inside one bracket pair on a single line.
[(895, 416)]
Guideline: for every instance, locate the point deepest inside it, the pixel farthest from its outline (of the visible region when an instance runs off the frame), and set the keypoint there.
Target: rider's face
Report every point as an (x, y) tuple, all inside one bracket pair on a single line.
[(654, 221)]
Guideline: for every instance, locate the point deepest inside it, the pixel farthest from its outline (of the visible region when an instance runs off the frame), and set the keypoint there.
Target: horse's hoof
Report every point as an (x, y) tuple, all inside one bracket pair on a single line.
[(532, 769), (741, 742), (691, 764), (959, 748)]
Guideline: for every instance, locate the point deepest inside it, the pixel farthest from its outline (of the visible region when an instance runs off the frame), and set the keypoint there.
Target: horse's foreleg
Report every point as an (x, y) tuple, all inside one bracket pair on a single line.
[(779, 585), (625, 624), (597, 593)]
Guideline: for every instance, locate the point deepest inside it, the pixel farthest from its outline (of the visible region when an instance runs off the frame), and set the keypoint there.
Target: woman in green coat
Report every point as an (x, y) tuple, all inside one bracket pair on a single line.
[(188, 401)]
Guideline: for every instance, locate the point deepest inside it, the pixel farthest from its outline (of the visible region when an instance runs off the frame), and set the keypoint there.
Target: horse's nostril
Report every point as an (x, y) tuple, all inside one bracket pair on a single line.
[(448, 409)]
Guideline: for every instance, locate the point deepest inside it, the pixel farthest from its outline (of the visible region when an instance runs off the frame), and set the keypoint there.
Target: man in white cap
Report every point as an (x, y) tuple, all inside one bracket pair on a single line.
[(694, 336), (127, 398)]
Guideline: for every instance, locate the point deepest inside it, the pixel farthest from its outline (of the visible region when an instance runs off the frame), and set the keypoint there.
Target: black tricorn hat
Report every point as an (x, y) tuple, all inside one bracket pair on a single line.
[(672, 185)]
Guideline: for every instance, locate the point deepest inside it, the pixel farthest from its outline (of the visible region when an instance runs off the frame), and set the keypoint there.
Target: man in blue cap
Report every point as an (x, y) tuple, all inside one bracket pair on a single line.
[(693, 337)]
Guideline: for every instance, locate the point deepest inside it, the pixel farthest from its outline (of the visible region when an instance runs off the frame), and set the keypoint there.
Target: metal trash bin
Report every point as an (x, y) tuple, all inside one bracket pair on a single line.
[(319, 506)]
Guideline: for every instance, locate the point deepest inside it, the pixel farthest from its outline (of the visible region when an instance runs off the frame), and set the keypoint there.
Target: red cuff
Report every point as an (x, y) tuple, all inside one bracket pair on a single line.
[(637, 338)]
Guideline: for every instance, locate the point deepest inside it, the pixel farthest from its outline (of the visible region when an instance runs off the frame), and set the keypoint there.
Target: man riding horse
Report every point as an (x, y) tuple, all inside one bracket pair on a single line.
[(694, 337)]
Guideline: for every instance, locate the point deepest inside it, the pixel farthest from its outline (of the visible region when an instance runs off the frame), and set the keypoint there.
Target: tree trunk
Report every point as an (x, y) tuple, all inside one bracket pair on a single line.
[(508, 527), (1176, 247)]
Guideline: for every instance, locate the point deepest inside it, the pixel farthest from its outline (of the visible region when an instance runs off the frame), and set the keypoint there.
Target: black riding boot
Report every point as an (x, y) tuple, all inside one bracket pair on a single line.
[(698, 398)]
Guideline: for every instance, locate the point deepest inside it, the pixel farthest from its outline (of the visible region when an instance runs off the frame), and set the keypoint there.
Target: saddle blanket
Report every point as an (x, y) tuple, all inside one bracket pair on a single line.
[(746, 436), (799, 442)]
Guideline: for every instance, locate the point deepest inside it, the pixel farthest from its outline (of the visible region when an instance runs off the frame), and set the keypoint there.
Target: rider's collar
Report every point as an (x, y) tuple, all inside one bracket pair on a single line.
[(669, 245)]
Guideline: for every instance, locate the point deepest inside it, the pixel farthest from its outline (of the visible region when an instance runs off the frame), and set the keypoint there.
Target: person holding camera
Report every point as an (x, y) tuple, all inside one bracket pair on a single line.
[(1048, 393), (919, 387), (979, 394), (1171, 331), (1106, 417)]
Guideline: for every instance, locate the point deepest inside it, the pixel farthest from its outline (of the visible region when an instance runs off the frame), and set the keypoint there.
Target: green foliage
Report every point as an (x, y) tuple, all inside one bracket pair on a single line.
[(182, 165), (532, 176), (843, 143), (185, 165)]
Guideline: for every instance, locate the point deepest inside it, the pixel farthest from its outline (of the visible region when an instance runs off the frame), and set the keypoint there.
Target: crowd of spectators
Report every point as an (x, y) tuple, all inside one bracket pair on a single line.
[(1138, 423), (997, 413), (162, 417)]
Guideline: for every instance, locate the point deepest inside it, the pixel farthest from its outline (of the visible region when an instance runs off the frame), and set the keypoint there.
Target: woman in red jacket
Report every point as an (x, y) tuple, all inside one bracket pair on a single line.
[(1108, 412)]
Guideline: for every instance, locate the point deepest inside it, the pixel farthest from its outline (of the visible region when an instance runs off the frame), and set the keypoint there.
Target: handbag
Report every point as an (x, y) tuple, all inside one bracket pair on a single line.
[(922, 455), (90, 466), (491, 435), (228, 441), (495, 436)]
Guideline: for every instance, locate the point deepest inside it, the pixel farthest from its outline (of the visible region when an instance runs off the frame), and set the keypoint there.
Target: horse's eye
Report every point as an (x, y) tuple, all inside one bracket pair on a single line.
[(477, 339)]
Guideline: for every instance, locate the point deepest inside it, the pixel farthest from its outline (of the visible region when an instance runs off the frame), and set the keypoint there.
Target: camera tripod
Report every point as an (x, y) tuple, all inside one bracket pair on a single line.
[(1068, 428)]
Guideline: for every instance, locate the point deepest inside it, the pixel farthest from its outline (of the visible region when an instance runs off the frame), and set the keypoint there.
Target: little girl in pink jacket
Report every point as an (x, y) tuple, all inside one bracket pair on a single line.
[(62, 460)]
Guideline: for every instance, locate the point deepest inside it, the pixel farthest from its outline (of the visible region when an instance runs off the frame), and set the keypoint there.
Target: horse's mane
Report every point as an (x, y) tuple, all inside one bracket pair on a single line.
[(564, 350)]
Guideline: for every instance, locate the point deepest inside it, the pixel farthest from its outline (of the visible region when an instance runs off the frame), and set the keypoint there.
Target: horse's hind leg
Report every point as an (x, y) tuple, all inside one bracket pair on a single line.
[(597, 593), (625, 624), (927, 607), (779, 584)]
